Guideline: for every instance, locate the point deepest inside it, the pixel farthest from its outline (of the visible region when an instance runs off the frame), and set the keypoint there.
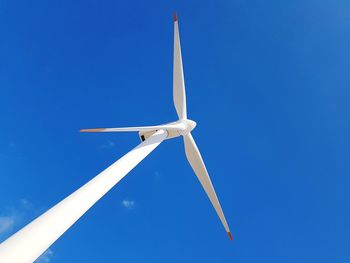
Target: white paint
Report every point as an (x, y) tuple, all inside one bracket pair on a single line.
[(179, 94), (30, 242), (194, 157)]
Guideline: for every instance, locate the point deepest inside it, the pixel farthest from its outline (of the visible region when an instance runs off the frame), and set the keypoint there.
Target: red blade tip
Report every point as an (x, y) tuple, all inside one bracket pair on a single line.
[(175, 17), (230, 236)]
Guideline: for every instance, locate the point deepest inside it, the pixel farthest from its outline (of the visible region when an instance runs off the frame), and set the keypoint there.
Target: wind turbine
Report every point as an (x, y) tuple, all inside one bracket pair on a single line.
[(31, 241), (182, 127)]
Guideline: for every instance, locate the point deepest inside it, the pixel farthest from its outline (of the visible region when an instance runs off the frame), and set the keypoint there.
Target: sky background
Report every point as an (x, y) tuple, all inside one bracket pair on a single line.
[(267, 83)]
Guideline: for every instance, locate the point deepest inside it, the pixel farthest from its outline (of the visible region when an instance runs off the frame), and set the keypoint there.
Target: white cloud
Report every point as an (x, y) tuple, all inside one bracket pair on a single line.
[(6, 223), (128, 203), (14, 216), (45, 257)]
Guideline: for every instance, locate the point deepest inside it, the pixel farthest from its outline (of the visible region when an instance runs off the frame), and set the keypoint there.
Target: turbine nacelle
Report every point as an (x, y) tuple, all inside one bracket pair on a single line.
[(174, 129)]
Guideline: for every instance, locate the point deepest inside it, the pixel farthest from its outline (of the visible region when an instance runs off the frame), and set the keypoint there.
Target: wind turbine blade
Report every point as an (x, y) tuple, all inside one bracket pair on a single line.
[(124, 129), (195, 159), (178, 75), (132, 129)]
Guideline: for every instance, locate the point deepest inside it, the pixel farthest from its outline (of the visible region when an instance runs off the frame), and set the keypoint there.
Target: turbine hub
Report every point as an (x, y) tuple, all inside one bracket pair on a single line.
[(189, 125)]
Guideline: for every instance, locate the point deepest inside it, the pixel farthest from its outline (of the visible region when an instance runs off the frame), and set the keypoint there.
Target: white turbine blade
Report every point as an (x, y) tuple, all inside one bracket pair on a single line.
[(195, 159), (132, 129), (124, 129), (178, 75)]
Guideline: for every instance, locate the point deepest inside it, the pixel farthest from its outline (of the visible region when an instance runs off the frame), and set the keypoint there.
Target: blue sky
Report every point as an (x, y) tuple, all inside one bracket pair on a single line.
[(267, 83)]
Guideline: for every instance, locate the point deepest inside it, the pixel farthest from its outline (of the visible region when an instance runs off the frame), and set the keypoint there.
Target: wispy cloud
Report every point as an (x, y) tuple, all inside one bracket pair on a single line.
[(26, 204), (108, 145), (6, 223), (129, 204), (12, 145), (15, 217), (45, 257)]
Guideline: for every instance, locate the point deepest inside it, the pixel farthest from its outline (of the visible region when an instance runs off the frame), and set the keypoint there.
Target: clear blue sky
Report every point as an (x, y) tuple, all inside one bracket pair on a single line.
[(267, 82)]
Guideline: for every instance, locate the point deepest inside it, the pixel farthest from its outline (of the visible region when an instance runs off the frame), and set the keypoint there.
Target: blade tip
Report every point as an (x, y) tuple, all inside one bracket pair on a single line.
[(175, 17), (230, 235), (91, 130)]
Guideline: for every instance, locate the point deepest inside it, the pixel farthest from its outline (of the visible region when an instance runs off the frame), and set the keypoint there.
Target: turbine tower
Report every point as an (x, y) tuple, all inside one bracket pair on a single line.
[(32, 240)]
